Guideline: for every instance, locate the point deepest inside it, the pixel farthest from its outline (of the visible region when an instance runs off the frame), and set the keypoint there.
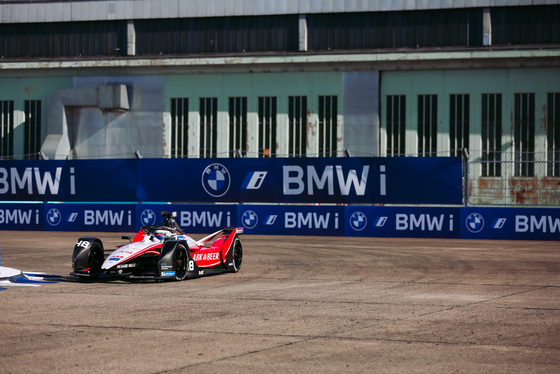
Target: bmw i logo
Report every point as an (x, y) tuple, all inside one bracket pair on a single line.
[(54, 217), (358, 221), (249, 219), (474, 222), (216, 180), (148, 217)]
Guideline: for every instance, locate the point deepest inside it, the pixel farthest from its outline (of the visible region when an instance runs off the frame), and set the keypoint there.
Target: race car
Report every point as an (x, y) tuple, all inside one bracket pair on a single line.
[(160, 252)]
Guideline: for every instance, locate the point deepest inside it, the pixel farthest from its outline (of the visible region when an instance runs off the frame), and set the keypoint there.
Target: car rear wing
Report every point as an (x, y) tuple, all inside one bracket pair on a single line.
[(228, 231)]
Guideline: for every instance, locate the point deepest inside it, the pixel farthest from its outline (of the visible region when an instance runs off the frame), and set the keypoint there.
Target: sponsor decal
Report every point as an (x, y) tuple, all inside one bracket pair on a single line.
[(19, 216), (148, 217), (499, 223), (203, 219), (206, 256), (249, 219), (297, 180), (474, 222), (54, 217), (124, 266), (167, 273), (310, 220), (216, 180), (34, 181), (270, 219), (254, 180), (72, 217), (107, 217), (380, 221), (534, 223), (423, 222), (358, 221)]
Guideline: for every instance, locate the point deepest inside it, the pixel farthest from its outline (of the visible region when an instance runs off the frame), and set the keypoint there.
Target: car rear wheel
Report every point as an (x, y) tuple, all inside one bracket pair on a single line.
[(237, 256)]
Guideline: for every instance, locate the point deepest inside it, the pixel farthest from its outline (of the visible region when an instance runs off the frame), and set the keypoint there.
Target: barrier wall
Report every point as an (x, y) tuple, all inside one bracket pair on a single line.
[(352, 180), (324, 220), (51, 196)]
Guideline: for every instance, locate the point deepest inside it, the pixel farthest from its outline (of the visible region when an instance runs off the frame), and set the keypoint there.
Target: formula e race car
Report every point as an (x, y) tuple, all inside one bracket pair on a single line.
[(160, 252)]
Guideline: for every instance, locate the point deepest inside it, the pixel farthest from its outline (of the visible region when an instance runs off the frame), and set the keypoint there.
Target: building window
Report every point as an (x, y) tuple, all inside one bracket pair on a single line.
[(427, 125), (7, 129), (297, 121), (396, 125), (524, 134), (179, 127), (328, 120), (32, 126), (458, 123), (208, 126), (237, 126), (267, 126), (553, 134), (491, 135)]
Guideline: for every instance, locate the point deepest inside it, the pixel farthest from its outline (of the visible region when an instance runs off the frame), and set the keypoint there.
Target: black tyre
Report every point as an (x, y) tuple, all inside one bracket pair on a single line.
[(237, 258), (181, 259)]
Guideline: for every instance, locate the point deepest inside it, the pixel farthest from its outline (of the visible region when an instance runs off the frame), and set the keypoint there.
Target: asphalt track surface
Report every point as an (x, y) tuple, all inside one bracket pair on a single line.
[(299, 304)]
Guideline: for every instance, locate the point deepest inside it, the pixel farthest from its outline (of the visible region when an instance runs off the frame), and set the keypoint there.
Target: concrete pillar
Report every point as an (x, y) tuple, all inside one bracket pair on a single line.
[(486, 27), (130, 39), (302, 33)]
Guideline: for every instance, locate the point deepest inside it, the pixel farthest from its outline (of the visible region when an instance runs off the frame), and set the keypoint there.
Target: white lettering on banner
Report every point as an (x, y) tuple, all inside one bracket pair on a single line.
[(20, 182), (256, 180), (294, 184), (320, 182), (18, 216), (204, 219), (105, 217), (13, 182), (382, 181), (423, 222), (310, 220), (533, 223), (290, 179)]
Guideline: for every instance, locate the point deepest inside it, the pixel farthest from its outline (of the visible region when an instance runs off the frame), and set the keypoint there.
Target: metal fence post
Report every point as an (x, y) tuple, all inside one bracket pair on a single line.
[(466, 189)]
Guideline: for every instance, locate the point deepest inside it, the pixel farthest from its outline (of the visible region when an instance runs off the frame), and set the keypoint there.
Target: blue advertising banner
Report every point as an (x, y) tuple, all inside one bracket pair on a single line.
[(292, 220), (408, 222), (76, 180), (21, 216), (191, 218), (510, 223), (354, 180), (90, 217), (283, 219)]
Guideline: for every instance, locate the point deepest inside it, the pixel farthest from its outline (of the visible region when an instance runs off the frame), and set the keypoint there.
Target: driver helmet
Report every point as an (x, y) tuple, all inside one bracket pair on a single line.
[(161, 235)]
